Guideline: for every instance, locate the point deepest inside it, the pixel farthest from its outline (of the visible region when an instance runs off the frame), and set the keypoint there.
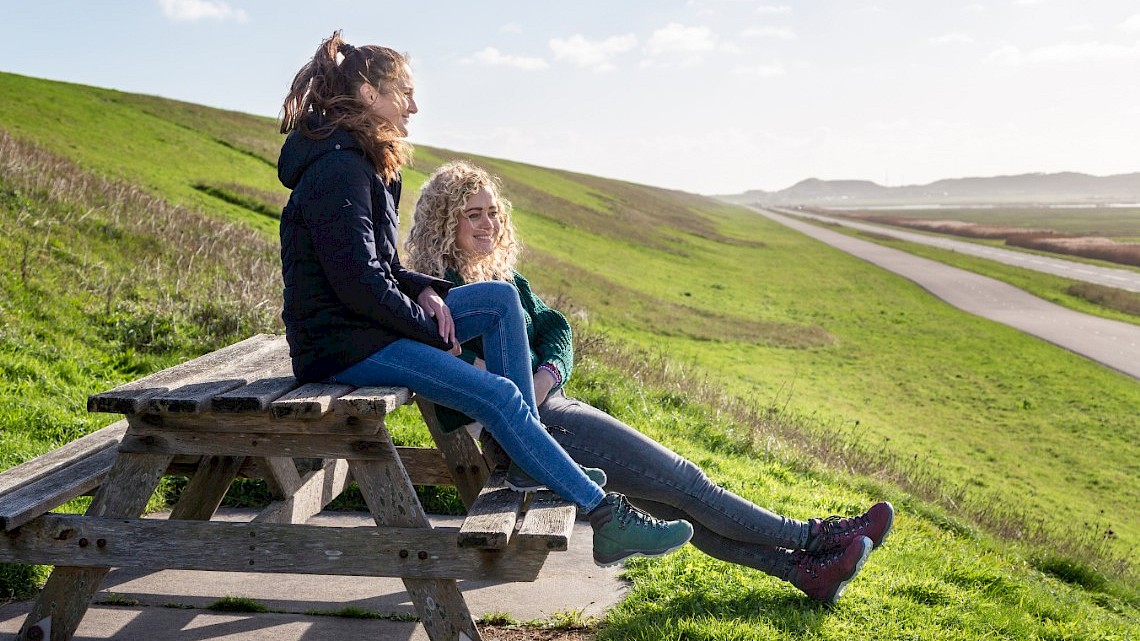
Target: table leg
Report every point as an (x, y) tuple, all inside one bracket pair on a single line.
[(393, 502), (464, 460), (207, 488), (68, 591)]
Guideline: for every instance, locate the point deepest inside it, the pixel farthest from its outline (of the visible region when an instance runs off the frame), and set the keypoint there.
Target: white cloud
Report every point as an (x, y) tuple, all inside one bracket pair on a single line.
[(493, 57), (768, 9), (677, 38), (1028, 3), (1066, 52), (783, 33), (1131, 24), (770, 70), (595, 54), (195, 10), (951, 38)]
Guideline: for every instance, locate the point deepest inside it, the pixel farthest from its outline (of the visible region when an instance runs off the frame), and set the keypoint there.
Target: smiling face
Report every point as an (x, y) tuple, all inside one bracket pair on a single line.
[(479, 224), (395, 102)]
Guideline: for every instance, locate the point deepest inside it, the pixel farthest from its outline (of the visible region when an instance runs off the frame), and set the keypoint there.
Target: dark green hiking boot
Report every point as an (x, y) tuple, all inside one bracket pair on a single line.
[(519, 481), (622, 531)]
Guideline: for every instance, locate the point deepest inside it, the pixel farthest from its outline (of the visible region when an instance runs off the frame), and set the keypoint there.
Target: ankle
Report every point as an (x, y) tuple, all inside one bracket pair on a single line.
[(602, 513)]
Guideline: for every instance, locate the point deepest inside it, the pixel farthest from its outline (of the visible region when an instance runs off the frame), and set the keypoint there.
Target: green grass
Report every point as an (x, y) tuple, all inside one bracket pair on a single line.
[(1120, 223), (793, 374)]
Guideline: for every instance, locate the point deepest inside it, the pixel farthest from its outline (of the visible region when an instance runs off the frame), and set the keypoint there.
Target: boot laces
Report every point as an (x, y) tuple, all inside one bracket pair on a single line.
[(813, 564), (625, 512)]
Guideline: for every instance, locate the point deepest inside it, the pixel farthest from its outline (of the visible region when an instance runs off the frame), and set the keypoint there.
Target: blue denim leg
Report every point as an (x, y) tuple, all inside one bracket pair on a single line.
[(493, 400), (492, 310)]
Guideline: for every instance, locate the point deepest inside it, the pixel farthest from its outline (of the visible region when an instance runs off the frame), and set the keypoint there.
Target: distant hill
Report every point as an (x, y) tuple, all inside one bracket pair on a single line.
[(1064, 187)]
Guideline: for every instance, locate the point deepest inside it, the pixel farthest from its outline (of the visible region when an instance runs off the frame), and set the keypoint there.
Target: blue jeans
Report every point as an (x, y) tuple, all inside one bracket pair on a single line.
[(501, 397), (661, 482)]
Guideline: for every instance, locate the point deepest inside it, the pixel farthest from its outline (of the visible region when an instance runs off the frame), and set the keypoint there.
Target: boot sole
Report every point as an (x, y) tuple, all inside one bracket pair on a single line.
[(607, 564), (525, 488), (868, 545), (610, 562)]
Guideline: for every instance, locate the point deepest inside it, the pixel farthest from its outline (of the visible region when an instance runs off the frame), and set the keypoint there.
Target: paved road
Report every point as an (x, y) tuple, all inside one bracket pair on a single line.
[(1107, 276), (1109, 342)]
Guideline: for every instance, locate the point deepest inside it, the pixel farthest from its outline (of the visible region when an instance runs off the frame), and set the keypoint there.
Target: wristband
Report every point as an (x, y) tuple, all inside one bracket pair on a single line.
[(553, 372)]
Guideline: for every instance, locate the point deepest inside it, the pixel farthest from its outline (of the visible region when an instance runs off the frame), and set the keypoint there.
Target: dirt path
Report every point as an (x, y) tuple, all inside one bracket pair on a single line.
[(1112, 343)]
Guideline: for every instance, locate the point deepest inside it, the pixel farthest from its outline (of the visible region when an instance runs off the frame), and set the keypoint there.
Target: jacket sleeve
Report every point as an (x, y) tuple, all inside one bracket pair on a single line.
[(552, 340), (339, 216)]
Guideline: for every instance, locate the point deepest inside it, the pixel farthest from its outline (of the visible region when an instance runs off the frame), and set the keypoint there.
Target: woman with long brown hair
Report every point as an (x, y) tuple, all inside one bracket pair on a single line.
[(354, 314)]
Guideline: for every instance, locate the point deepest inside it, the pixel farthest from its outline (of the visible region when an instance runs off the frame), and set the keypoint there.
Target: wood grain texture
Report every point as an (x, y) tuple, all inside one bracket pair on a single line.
[(226, 546), (131, 398)]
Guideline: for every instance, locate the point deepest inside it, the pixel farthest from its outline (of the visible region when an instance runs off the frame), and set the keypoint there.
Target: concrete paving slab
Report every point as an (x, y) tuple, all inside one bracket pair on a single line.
[(171, 603)]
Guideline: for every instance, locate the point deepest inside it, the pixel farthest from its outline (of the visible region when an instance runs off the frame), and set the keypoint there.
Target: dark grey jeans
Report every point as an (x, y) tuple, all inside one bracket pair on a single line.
[(661, 482)]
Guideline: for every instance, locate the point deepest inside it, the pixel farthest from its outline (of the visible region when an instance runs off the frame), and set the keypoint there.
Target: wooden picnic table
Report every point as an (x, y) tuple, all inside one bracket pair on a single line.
[(237, 412)]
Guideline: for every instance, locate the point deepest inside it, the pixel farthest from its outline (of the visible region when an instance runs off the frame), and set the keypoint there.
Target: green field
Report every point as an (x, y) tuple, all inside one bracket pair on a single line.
[(794, 374), (1119, 222)]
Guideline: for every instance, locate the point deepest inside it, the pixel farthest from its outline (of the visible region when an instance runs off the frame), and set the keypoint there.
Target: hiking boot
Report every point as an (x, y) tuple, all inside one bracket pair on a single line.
[(519, 481), (834, 533), (824, 576), (622, 531)]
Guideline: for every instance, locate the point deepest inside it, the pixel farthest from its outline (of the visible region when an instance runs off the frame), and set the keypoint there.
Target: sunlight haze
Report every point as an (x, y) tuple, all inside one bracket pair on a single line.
[(708, 96)]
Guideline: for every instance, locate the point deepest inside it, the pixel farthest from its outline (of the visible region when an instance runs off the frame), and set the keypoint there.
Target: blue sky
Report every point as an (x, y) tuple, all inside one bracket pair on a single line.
[(708, 96)]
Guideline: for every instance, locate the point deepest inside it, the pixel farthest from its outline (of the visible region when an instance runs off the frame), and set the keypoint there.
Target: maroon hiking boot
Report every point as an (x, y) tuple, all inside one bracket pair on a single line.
[(824, 576), (834, 533)]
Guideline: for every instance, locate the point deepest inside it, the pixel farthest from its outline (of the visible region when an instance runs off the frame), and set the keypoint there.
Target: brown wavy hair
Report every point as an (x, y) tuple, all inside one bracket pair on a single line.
[(431, 248), (327, 88)]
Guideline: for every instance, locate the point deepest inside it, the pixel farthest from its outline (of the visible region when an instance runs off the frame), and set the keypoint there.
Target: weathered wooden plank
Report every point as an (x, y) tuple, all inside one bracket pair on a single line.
[(207, 488), (425, 465), (225, 546), (372, 401), (28, 502), (255, 397), (393, 502), (268, 362), (68, 591), (46, 464), (492, 517), (308, 401), (466, 464), (312, 493), (255, 424), (131, 397), (280, 475), (549, 522), (371, 447)]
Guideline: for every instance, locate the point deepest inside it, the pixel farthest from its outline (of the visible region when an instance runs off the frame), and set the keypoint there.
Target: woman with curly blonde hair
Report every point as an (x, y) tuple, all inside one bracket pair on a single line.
[(463, 232), (354, 314)]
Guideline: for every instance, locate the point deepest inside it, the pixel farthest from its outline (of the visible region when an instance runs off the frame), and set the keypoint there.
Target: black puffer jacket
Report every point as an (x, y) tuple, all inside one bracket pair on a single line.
[(346, 294)]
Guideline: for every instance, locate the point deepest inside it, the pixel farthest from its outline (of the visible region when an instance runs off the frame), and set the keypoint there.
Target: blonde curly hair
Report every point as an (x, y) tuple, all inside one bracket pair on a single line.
[(431, 247)]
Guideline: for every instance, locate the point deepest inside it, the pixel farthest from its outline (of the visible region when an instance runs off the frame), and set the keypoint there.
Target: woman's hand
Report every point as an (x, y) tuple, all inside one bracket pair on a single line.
[(543, 383), (434, 307)]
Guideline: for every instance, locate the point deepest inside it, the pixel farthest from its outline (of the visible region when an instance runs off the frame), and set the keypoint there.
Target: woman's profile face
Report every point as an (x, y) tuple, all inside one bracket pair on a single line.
[(479, 224), (396, 103)]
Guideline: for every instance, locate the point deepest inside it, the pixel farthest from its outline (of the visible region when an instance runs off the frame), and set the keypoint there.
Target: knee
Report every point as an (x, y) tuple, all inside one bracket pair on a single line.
[(501, 293)]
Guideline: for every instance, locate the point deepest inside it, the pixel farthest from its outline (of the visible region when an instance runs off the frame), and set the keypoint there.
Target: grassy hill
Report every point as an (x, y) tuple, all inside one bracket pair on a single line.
[(136, 232)]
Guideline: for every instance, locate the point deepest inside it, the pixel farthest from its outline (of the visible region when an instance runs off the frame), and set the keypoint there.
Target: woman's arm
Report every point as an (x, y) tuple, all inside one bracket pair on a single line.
[(552, 341)]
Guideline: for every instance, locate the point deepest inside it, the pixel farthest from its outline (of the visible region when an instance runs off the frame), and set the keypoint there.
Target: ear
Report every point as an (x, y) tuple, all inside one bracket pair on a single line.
[(367, 93)]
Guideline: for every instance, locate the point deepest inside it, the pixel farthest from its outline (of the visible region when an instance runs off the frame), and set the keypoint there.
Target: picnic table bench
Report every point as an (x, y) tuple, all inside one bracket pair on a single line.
[(237, 412)]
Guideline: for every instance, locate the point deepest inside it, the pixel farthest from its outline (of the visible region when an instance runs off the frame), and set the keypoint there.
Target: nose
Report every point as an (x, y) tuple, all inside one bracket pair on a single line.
[(412, 108)]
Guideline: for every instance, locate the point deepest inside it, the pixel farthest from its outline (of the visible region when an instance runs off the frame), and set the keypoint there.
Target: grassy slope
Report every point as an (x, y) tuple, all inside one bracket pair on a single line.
[(785, 321)]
